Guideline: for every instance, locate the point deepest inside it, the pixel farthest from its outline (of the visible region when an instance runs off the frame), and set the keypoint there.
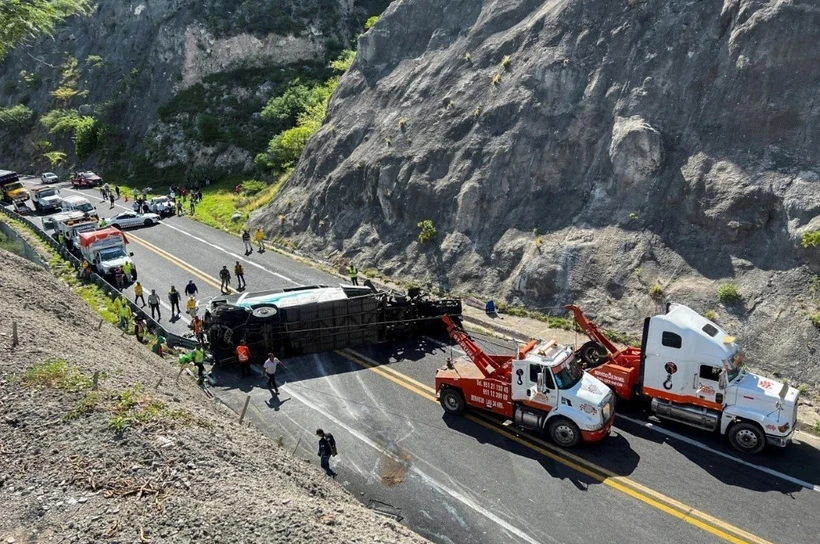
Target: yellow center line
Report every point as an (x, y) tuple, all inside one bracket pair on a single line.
[(180, 263), (623, 484)]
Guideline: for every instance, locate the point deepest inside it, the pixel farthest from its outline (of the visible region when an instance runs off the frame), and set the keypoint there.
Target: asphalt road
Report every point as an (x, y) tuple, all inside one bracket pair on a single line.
[(469, 479)]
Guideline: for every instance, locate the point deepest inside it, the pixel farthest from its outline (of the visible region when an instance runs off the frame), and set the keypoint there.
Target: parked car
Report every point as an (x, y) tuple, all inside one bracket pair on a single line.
[(127, 220), (49, 177), (161, 205), (86, 179)]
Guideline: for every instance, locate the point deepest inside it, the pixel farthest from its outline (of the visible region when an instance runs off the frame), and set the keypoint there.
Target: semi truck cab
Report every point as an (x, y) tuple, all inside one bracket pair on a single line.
[(694, 372)]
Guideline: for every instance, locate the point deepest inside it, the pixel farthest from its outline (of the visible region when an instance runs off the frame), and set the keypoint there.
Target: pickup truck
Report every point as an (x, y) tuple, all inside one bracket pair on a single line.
[(161, 205), (45, 198), (86, 179)]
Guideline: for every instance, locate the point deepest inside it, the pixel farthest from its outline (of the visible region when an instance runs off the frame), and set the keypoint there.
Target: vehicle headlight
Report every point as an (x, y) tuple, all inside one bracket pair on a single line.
[(606, 411), (783, 428)]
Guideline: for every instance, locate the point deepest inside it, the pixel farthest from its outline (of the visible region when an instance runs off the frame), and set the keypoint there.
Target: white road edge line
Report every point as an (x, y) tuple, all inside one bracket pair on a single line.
[(467, 501), (695, 443)]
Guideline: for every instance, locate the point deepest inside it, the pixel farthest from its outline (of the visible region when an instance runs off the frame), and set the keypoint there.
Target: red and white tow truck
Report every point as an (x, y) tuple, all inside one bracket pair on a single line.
[(542, 388), (691, 371)]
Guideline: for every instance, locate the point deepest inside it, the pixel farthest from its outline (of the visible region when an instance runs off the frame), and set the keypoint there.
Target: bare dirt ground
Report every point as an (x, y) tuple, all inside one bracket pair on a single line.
[(143, 457)]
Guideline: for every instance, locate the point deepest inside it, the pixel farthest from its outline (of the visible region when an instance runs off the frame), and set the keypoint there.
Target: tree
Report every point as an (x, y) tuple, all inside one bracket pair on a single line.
[(21, 20)]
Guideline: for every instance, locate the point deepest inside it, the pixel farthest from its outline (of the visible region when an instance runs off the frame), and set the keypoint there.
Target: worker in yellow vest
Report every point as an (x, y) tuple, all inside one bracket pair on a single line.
[(354, 274), (125, 315), (199, 362), (259, 238), (138, 294), (190, 307)]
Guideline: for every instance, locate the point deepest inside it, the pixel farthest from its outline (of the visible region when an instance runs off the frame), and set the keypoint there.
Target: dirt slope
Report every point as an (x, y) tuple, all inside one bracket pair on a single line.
[(183, 470)]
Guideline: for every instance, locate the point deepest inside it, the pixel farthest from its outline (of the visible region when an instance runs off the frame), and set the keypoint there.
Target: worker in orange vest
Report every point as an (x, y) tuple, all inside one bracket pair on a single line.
[(243, 355)]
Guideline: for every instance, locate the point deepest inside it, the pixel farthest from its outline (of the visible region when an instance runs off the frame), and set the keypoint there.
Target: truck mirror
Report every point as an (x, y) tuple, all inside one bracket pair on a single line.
[(722, 380), (540, 382)]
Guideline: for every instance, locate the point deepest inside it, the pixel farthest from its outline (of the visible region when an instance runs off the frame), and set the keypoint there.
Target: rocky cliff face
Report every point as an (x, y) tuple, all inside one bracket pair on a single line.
[(129, 60), (616, 154)]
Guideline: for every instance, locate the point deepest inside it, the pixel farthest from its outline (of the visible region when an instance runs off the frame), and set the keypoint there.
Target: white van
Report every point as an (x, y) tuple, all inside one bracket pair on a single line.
[(78, 204)]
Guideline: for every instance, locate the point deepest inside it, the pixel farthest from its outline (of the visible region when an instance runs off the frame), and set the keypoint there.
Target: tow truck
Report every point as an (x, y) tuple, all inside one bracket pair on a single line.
[(542, 388), (691, 371), (105, 250), (70, 225)]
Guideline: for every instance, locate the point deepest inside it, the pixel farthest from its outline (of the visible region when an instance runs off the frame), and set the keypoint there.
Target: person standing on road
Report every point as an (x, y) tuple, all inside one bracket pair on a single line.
[(270, 367), (117, 190), (173, 298), (243, 357), (180, 208), (354, 274), (225, 276), (327, 447), (239, 272), (153, 303), (128, 270), (103, 194), (193, 205), (191, 289), (246, 237), (111, 200), (259, 238), (119, 277), (138, 294), (190, 307)]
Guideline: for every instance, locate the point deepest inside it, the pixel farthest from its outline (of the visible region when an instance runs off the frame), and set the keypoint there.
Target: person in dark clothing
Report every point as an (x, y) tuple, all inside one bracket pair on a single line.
[(190, 289), (173, 298), (327, 447), (119, 278), (111, 199), (225, 277), (246, 238), (117, 190), (239, 272)]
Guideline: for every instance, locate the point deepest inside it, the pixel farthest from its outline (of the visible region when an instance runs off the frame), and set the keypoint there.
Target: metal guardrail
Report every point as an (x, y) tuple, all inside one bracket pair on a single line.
[(173, 340)]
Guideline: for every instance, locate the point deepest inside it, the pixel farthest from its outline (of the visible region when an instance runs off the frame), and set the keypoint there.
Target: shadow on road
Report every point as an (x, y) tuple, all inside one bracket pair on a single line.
[(613, 454), (797, 460)]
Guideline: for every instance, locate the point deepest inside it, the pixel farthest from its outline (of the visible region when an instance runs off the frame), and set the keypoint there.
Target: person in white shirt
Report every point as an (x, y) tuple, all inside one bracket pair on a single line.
[(270, 367)]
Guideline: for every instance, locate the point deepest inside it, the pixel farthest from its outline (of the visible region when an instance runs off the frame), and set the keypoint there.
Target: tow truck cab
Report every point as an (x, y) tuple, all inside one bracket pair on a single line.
[(693, 371)]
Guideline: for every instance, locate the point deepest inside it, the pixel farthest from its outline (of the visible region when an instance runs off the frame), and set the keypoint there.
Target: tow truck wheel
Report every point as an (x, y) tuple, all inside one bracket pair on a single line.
[(593, 354), (452, 401), (746, 437), (564, 432)]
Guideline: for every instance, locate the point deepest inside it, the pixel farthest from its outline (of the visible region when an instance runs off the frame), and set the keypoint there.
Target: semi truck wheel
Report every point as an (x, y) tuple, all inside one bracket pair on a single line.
[(746, 437), (452, 401), (593, 354), (564, 432)]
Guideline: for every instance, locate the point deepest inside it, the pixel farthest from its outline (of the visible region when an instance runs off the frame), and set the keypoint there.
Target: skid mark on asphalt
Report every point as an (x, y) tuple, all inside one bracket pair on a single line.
[(465, 500)]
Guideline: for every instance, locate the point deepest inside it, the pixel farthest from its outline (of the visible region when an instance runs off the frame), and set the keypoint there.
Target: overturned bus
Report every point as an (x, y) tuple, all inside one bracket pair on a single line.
[(312, 319)]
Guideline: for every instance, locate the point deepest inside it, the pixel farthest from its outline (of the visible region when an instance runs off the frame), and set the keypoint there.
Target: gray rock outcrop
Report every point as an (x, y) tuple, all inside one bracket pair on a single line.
[(579, 151)]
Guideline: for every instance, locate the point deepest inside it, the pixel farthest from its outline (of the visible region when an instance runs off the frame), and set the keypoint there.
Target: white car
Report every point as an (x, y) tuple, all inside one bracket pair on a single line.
[(126, 220), (161, 205), (49, 177)]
